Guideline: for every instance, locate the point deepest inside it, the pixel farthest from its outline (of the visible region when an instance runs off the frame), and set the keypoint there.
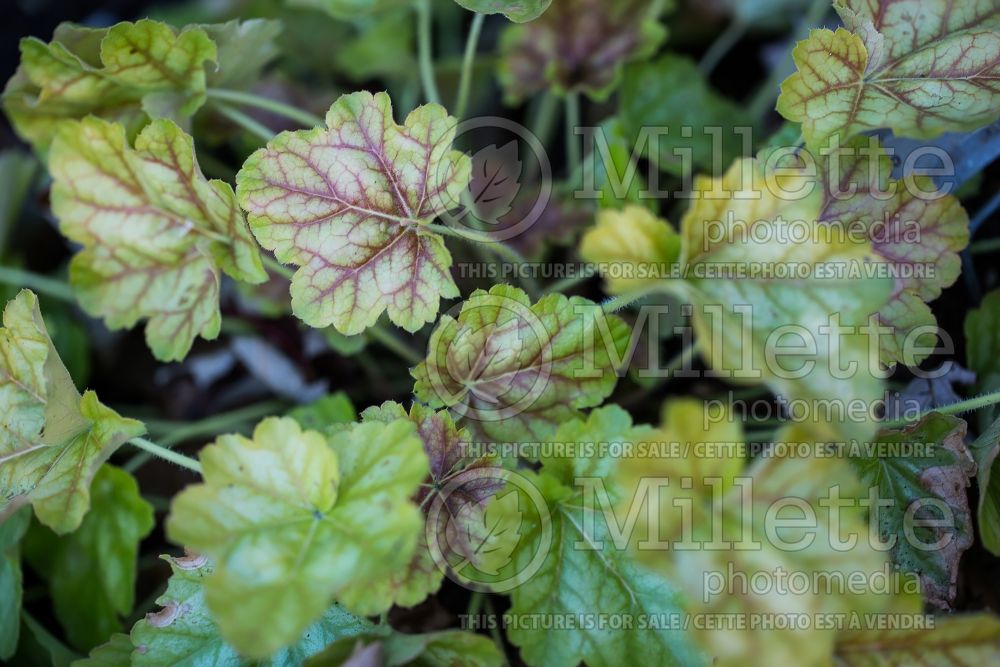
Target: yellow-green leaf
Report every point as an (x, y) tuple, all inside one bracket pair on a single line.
[(918, 67), (129, 73), (968, 639), (155, 231), (293, 521), (52, 440), (349, 204), (639, 248)]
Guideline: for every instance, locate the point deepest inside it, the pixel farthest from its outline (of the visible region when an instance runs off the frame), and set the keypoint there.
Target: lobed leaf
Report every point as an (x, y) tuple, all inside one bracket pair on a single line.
[(92, 571), (939, 473), (918, 67), (129, 73), (293, 521), (155, 231), (183, 630), (349, 205), (52, 440), (635, 238), (516, 370), (577, 46)]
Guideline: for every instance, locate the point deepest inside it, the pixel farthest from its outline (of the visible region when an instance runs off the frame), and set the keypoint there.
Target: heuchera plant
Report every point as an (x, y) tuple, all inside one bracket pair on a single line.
[(523, 480)]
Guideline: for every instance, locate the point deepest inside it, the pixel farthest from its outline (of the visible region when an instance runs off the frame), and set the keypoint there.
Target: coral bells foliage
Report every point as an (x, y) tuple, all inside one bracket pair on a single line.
[(516, 446)]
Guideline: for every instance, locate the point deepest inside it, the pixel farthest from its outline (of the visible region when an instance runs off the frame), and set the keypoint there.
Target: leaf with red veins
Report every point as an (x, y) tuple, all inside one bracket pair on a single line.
[(459, 479), (154, 231), (349, 204), (513, 370), (918, 67), (577, 45), (912, 225)]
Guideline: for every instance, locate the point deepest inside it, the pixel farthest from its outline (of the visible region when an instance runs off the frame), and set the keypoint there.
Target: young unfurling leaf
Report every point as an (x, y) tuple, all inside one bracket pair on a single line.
[(128, 73), (577, 45), (155, 231), (52, 440), (918, 67), (516, 370), (348, 204), (292, 521)]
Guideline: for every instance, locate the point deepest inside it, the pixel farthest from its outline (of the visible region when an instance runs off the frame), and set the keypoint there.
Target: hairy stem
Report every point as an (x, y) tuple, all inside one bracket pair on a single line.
[(968, 405), (468, 61), (166, 454), (266, 104)]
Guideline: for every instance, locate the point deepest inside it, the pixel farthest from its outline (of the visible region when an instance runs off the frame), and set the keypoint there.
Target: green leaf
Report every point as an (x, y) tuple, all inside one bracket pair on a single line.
[(11, 530), (911, 226), (292, 521), (245, 49), (18, 171), (349, 203), (326, 412), (982, 351), (574, 580), (183, 631), (116, 652), (382, 48), (918, 67), (53, 440), (632, 237), (736, 319), (128, 73), (518, 11), (731, 530), (985, 451), (181, 229), (577, 45), (966, 639), (670, 94), (514, 371), (443, 443), (395, 649), (39, 647), (92, 571), (941, 473)]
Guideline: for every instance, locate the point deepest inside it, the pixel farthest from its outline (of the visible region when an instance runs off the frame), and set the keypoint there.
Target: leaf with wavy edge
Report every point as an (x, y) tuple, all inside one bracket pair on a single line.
[(516, 370), (184, 632), (349, 204), (575, 579), (913, 226), (92, 571), (965, 639), (518, 11), (129, 73), (292, 521), (52, 440), (842, 287), (444, 445), (919, 67), (155, 232), (635, 237), (577, 45)]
